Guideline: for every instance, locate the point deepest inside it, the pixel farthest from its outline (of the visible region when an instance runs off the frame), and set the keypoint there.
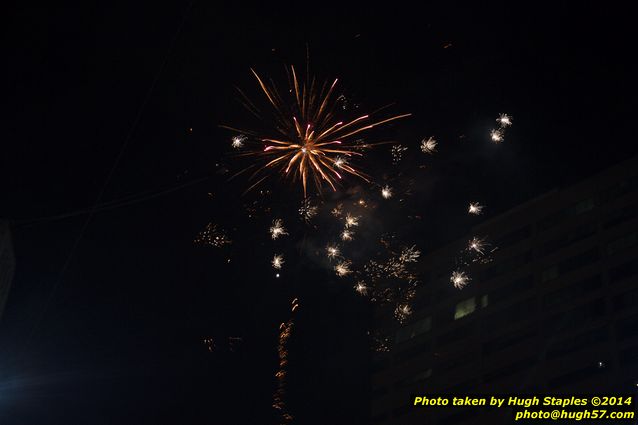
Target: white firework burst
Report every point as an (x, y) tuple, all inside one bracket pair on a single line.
[(428, 145), (504, 120), (277, 229), (278, 261), (475, 208), (343, 268), (459, 279), (238, 141)]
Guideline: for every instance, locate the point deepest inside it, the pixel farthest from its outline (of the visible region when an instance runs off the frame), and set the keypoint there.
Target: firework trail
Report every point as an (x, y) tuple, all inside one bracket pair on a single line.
[(279, 398)]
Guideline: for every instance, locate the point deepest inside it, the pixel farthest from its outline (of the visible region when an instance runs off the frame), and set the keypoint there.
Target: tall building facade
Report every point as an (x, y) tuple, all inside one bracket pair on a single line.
[(554, 311), (7, 264)]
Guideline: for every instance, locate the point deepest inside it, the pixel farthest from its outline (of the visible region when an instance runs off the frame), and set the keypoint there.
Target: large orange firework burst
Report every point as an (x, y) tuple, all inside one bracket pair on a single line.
[(309, 139)]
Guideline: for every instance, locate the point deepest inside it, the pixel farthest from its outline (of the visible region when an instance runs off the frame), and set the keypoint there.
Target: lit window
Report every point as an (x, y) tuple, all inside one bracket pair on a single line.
[(464, 308)]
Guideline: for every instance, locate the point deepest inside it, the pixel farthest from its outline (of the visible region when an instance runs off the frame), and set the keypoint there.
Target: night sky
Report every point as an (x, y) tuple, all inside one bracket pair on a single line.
[(108, 308)]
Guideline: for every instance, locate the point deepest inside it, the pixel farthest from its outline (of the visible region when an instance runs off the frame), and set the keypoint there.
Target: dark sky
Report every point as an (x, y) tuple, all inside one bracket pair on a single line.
[(107, 311)]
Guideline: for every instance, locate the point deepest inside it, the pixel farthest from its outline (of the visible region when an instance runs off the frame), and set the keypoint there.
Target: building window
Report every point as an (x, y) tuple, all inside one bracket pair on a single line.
[(465, 308)]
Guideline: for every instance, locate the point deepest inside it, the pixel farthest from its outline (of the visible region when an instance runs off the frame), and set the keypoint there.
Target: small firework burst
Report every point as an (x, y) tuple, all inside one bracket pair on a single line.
[(504, 120), (459, 279), (475, 208), (397, 153), (409, 255), (497, 135), (212, 235), (386, 192), (332, 251), (351, 221), (362, 203), (428, 145), (210, 344), (307, 210), (337, 211), (340, 161), (277, 261), (343, 268), (402, 312), (347, 235), (380, 343), (476, 244), (277, 229), (237, 142), (361, 288)]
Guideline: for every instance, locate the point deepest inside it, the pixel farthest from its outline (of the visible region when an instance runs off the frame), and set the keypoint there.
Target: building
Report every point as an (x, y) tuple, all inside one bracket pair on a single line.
[(555, 311), (7, 264)]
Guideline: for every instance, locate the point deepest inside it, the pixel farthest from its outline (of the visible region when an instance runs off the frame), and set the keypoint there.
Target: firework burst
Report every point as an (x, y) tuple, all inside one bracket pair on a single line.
[(459, 279), (277, 261), (504, 120), (497, 135), (332, 251), (475, 208), (343, 268), (428, 145), (386, 192), (277, 229), (309, 140)]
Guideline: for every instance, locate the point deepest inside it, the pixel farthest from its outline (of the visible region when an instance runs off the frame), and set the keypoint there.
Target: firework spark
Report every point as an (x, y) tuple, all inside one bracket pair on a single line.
[(386, 192), (277, 229), (409, 255), (397, 153), (402, 312), (361, 288), (347, 235), (475, 208), (307, 210), (238, 141), (476, 244), (504, 120), (333, 251), (351, 221), (277, 261), (309, 139), (337, 211), (428, 145), (459, 279), (212, 235), (343, 268), (340, 161), (497, 135)]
